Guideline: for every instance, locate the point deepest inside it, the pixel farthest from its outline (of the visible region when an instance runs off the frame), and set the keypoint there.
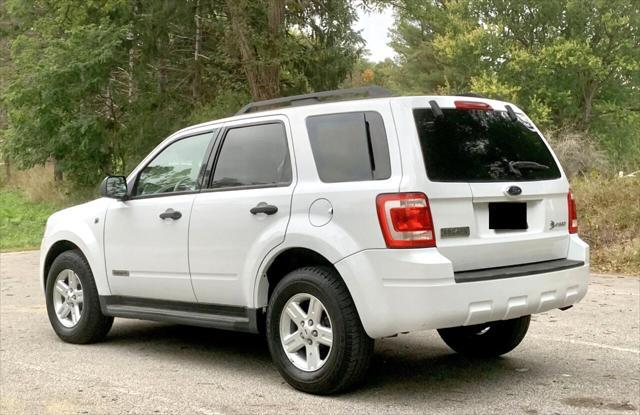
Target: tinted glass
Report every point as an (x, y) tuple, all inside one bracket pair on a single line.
[(176, 168), (481, 146), (253, 156), (349, 147)]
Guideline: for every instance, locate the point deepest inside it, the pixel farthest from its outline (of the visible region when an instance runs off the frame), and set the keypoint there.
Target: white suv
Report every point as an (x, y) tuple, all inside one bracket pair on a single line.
[(326, 225)]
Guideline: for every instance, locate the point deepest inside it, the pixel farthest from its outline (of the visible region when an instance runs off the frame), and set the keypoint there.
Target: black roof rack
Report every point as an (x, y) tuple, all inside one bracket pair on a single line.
[(316, 98)]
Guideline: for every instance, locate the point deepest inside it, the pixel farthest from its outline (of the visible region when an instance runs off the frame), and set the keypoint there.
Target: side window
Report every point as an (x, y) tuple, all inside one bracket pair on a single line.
[(349, 147), (175, 169), (255, 155)]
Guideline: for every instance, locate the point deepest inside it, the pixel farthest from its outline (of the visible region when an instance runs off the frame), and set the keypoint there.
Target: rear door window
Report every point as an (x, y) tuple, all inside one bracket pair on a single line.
[(481, 146), (255, 155), (349, 147)]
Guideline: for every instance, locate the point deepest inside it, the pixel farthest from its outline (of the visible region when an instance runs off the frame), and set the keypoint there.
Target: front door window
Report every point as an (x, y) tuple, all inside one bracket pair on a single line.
[(175, 169)]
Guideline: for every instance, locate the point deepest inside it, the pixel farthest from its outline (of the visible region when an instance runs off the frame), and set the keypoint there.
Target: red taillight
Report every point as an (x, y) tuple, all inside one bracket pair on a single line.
[(573, 213), (405, 220), (472, 105)]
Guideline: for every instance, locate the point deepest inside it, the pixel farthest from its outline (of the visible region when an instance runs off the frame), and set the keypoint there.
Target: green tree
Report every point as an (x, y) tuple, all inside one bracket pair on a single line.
[(62, 64), (98, 83), (567, 62)]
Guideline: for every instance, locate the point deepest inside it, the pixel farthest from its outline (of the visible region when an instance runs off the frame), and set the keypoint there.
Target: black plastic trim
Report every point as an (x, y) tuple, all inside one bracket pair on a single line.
[(248, 187), (515, 270), (217, 316)]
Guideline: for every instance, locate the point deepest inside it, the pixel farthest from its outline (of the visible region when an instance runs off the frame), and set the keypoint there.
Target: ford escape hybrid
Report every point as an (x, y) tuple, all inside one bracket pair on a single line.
[(326, 221)]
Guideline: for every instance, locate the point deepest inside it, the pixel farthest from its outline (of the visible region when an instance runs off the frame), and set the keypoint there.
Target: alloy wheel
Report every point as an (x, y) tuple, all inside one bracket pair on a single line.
[(306, 333), (68, 298)]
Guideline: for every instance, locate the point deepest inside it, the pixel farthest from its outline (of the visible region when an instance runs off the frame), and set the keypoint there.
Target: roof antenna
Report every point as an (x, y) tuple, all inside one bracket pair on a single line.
[(512, 113), (435, 108)]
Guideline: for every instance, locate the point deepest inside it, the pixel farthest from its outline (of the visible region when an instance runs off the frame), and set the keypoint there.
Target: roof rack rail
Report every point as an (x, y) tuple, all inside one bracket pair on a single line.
[(316, 98)]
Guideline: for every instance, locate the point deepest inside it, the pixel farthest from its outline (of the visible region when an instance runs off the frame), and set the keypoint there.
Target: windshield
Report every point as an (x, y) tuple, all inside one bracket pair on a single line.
[(481, 146)]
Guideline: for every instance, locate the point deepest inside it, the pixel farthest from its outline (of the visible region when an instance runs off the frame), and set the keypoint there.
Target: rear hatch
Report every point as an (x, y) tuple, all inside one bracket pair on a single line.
[(496, 192)]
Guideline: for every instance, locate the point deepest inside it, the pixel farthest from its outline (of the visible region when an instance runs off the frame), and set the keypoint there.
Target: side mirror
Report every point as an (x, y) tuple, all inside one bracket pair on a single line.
[(114, 187)]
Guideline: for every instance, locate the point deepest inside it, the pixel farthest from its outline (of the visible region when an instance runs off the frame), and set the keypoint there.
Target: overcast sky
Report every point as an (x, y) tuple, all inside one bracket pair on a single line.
[(375, 31)]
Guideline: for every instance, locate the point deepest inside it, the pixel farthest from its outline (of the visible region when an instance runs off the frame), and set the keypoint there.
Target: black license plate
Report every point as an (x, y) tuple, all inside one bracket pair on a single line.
[(507, 216)]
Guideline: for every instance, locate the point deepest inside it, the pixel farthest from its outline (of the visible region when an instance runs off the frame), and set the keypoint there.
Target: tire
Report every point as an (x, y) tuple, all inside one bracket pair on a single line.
[(347, 360), (487, 340), (92, 325)]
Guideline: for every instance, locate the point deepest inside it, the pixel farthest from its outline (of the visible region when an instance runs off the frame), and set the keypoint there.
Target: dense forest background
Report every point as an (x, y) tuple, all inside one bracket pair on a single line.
[(93, 85), (89, 87)]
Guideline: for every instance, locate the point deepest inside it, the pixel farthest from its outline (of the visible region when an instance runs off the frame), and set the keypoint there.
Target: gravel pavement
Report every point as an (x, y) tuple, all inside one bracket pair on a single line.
[(584, 360)]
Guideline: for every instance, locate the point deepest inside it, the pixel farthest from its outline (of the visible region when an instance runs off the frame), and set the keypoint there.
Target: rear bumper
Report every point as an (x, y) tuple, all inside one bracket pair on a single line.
[(415, 289)]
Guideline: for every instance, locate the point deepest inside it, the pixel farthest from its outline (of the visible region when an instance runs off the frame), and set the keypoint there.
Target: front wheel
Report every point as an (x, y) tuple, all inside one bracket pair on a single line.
[(315, 336), (72, 300), (488, 339)]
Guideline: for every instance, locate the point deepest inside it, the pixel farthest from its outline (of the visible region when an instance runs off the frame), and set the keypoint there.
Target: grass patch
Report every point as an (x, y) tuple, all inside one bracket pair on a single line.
[(609, 221), (27, 199), (22, 221)]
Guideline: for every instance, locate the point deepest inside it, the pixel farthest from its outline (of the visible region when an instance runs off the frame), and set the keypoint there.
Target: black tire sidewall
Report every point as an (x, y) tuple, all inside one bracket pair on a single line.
[(298, 282), (502, 337), (74, 261)]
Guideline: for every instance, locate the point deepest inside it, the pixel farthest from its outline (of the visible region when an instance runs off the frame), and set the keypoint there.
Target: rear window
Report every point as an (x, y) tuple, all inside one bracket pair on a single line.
[(349, 147), (481, 146)]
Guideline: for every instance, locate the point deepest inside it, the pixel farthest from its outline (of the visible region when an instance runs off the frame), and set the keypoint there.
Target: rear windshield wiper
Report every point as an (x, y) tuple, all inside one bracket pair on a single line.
[(515, 166), (528, 165)]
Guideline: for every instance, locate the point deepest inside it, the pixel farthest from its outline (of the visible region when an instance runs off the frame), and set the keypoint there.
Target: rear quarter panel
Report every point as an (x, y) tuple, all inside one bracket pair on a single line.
[(353, 224)]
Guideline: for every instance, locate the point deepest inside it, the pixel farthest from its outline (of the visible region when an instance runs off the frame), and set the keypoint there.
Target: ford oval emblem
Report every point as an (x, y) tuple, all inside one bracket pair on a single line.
[(514, 191)]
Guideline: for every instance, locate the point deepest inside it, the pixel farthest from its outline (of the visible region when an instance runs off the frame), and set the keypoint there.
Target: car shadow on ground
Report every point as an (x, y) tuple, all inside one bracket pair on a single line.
[(400, 366)]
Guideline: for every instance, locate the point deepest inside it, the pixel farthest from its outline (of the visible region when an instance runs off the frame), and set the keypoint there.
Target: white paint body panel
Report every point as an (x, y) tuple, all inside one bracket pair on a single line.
[(219, 253), (82, 225), (226, 241), (152, 250), (407, 290)]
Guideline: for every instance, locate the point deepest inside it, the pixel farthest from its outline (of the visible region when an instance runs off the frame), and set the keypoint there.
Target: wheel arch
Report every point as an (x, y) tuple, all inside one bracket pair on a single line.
[(86, 243), (54, 251), (282, 263)]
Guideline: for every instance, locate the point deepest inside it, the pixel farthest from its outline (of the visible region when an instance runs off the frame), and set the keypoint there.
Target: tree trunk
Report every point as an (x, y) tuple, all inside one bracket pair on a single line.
[(262, 70), (240, 30), (130, 73), (588, 94), (131, 37), (57, 171), (195, 86), (274, 51)]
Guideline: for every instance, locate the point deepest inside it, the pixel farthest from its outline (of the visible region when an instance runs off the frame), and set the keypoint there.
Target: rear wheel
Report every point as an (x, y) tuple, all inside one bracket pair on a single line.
[(488, 339), (72, 300), (315, 336)]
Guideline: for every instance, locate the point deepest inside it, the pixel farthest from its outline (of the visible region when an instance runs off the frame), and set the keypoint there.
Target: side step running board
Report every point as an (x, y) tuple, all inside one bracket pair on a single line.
[(203, 315)]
